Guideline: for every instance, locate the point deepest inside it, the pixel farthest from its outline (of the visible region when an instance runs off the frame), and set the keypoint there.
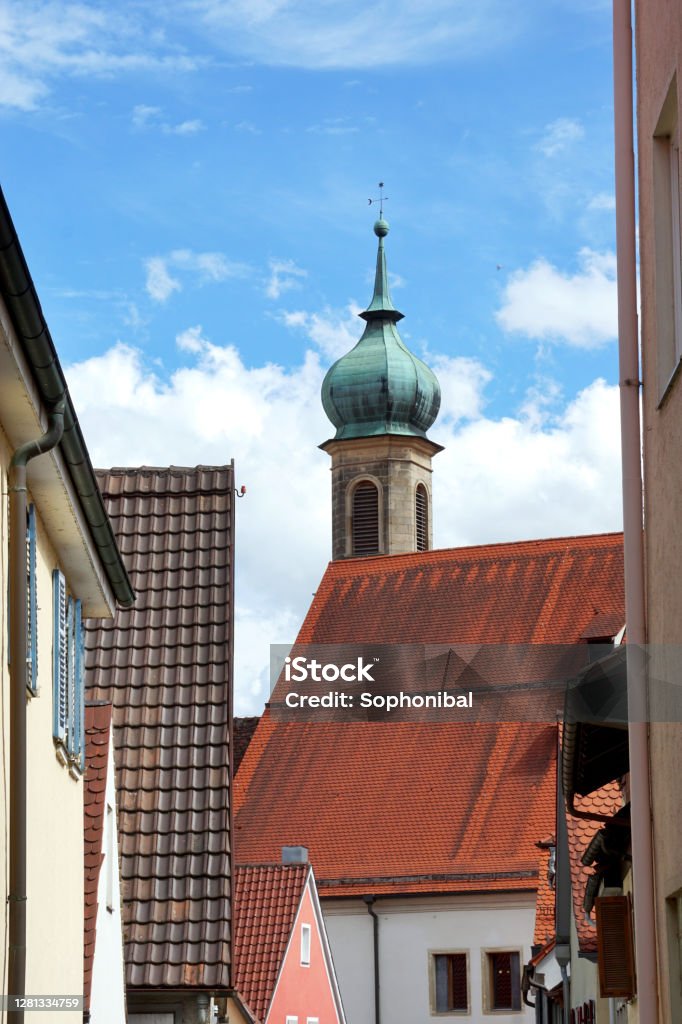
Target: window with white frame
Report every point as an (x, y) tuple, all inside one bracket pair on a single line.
[(667, 241), (68, 727), (305, 945), (292, 1020), (449, 982), (501, 980)]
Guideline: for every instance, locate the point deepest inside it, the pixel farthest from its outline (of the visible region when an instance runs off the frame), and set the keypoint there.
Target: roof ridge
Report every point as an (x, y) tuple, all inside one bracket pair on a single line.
[(494, 545), (125, 470)]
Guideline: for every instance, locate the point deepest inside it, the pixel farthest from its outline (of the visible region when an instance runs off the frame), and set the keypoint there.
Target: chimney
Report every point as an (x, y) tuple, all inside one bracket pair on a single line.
[(294, 855)]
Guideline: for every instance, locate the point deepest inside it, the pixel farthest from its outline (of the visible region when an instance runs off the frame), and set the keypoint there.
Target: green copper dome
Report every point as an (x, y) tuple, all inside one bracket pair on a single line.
[(380, 387)]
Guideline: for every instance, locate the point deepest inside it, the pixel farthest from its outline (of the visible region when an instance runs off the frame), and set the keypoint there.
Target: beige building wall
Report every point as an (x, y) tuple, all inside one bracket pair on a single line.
[(54, 963), (659, 100)]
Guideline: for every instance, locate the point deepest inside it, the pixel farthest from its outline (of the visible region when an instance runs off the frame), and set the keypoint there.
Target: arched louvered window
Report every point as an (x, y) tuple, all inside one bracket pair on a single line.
[(422, 518), (366, 519)]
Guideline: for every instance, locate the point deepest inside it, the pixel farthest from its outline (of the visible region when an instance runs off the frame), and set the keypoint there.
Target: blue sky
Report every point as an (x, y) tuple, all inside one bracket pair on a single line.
[(190, 188)]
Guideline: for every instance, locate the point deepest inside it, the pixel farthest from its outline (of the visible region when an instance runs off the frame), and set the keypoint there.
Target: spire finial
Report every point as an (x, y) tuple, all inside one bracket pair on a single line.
[(381, 200), (381, 306)]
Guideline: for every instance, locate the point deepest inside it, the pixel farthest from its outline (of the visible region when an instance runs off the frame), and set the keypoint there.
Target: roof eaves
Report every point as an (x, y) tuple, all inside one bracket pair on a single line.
[(19, 293)]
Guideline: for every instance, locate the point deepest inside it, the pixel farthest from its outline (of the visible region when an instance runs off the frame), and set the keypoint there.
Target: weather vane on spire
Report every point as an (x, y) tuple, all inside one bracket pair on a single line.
[(381, 200)]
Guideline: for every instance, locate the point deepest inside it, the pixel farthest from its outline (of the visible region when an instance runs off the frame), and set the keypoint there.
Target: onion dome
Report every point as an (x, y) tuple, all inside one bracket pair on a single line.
[(380, 387)]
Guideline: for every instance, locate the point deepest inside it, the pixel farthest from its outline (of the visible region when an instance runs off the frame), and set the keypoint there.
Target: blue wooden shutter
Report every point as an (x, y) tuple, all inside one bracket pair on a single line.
[(79, 688), (70, 678), (32, 603), (60, 659)]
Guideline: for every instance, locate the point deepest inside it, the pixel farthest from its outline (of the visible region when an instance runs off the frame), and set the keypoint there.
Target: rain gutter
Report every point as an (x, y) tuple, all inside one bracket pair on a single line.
[(18, 292), (629, 379), (18, 679)]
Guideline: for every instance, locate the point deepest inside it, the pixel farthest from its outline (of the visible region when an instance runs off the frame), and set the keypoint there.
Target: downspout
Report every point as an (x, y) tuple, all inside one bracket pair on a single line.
[(566, 993), (370, 900), (642, 848), (18, 677)]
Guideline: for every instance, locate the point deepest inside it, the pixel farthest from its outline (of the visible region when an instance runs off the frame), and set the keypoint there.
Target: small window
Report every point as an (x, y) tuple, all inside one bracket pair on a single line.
[(312, 1020), (366, 519), (422, 518), (503, 980), (305, 945), (449, 983), (291, 1020)]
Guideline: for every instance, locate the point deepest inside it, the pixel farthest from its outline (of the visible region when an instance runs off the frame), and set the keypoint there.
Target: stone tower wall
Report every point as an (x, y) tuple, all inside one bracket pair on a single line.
[(397, 464)]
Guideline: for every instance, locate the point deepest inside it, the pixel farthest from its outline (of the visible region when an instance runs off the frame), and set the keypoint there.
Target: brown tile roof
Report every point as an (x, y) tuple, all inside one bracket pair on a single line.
[(266, 901), (165, 665), (97, 732), (426, 806), (607, 800), (242, 734)]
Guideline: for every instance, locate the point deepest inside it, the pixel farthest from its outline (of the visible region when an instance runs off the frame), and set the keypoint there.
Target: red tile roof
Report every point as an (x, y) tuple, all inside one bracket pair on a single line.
[(607, 800), (165, 665), (426, 806), (266, 902), (97, 731)]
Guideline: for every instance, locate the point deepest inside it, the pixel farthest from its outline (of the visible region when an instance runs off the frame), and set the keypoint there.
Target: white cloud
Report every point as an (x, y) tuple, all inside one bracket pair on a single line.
[(602, 201), (580, 309), (533, 475), (143, 115), (284, 275), (560, 135), (334, 332), (334, 126), (159, 284), (352, 34), (205, 266), (145, 118), (185, 127), (542, 472), (248, 127), (43, 40)]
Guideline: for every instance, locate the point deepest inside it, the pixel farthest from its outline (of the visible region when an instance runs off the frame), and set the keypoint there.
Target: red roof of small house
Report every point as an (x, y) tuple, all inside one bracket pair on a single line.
[(426, 806), (97, 732), (607, 801), (266, 901)]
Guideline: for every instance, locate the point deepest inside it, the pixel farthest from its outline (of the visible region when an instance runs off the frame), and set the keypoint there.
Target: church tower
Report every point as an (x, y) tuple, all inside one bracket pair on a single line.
[(382, 400)]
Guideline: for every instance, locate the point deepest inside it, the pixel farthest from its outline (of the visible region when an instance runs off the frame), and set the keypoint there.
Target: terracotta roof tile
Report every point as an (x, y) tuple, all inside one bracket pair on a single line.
[(97, 732), (266, 901), (426, 806), (607, 800), (164, 664)]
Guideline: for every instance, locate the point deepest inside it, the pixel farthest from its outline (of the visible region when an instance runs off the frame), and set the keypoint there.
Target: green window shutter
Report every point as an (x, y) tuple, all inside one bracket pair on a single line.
[(32, 602), (79, 687), (60, 659)]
